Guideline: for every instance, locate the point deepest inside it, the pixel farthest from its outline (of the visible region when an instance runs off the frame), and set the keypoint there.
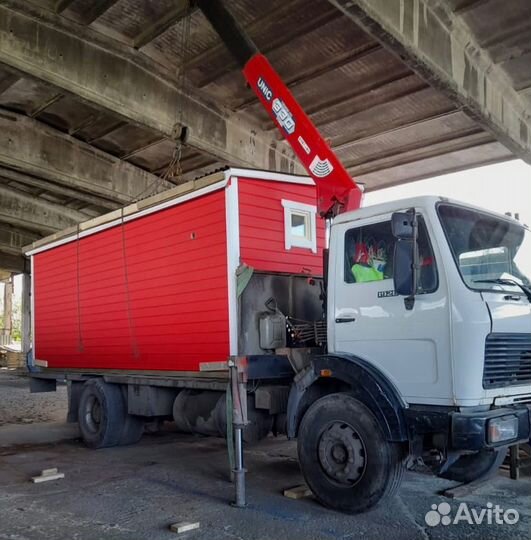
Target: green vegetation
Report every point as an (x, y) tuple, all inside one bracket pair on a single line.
[(16, 321)]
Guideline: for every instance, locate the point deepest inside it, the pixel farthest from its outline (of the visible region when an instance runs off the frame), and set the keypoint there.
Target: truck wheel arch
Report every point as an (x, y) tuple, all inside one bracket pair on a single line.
[(348, 373)]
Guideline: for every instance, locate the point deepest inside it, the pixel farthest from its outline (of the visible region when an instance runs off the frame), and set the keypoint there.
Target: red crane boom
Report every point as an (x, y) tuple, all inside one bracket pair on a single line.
[(336, 190)]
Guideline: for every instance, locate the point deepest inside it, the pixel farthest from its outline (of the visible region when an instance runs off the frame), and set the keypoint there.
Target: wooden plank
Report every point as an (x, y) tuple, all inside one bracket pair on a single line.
[(213, 366), (184, 526), (519, 460), (47, 475), (48, 478), (462, 490), (298, 492)]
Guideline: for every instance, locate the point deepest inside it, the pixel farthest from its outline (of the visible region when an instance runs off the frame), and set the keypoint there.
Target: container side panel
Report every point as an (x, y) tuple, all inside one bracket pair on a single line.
[(56, 324), (147, 295), (262, 235)]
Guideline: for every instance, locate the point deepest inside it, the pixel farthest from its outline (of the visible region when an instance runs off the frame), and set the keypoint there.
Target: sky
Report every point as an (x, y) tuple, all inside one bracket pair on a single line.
[(504, 187)]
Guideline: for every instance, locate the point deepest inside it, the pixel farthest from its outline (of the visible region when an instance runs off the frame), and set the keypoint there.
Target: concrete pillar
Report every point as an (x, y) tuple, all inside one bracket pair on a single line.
[(26, 314), (5, 336)]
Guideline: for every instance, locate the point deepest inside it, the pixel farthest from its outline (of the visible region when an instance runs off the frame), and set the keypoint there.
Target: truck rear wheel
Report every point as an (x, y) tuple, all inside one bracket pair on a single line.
[(344, 456), (133, 429), (470, 467), (101, 414)]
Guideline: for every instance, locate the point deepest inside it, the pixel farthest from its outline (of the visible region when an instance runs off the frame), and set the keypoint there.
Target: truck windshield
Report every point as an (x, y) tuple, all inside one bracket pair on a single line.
[(491, 252)]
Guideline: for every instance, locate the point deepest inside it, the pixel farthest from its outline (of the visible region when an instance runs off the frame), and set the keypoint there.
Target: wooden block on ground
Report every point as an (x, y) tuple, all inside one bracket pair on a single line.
[(298, 492), (39, 479), (463, 490), (184, 526), (47, 475)]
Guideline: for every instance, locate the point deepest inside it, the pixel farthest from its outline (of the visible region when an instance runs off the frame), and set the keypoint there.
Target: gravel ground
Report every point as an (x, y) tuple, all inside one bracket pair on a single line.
[(19, 406), (136, 492)]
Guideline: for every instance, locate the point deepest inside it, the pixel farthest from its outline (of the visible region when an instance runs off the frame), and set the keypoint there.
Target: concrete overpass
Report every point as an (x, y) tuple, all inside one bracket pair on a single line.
[(95, 93)]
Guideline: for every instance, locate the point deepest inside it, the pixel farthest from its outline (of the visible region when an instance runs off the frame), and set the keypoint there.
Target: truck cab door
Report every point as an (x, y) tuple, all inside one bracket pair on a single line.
[(368, 319)]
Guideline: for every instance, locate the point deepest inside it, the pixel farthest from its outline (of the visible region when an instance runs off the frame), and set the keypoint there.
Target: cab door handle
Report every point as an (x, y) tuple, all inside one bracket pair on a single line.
[(345, 319)]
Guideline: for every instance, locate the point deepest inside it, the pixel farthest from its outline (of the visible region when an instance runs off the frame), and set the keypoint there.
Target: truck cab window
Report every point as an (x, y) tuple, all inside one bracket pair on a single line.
[(490, 251), (369, 255)]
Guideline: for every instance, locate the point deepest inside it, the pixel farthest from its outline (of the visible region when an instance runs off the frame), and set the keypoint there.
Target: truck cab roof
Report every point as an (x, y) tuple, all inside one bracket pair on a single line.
[(422, 201)]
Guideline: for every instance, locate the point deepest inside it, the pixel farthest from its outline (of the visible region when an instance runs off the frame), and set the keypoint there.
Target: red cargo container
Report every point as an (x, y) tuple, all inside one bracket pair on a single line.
[(154, 287)]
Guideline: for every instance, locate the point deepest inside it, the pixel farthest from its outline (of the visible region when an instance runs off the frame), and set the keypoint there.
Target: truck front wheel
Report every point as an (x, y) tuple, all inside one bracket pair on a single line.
[(344, 456)]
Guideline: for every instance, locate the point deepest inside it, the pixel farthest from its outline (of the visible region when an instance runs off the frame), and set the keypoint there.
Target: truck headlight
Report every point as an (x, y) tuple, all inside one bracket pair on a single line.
[(501, 429)]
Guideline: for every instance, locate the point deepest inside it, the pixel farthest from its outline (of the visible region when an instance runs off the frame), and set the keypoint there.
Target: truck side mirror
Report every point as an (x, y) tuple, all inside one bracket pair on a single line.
[(404, 224), (406, 255)]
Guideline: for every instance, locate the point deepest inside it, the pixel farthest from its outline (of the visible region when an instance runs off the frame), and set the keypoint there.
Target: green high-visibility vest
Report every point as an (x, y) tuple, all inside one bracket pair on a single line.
[(364, 274)]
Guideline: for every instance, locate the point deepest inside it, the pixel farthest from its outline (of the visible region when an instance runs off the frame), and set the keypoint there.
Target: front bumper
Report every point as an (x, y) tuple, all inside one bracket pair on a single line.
[(468, 430)]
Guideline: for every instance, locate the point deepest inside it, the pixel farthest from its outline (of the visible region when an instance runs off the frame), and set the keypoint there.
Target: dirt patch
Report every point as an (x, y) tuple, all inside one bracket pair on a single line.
[(19, 406)]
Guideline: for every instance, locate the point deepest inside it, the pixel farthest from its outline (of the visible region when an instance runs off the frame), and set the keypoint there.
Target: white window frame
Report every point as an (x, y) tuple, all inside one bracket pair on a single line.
[(291, 240)]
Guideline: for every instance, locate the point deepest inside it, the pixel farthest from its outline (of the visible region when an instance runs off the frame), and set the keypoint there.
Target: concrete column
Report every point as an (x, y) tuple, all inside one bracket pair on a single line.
[(26, 314), (5, 338)]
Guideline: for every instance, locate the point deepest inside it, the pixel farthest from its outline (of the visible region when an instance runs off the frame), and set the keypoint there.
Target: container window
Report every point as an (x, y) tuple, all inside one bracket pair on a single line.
[(300, 225)]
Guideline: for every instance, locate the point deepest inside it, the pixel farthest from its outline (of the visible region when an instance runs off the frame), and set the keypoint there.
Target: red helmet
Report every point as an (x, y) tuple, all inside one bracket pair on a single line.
[(361, 255)]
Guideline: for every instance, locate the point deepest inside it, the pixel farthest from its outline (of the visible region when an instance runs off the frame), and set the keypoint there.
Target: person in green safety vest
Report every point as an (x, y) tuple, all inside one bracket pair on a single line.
[(364, 274), (365, 267)]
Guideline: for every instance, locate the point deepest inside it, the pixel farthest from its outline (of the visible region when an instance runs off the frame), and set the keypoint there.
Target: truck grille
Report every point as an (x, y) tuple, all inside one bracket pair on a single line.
[(507, 360)]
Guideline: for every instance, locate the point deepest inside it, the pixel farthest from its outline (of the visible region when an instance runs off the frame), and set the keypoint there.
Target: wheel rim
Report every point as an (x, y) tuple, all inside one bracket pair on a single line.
[(342, 453), (92, 414)]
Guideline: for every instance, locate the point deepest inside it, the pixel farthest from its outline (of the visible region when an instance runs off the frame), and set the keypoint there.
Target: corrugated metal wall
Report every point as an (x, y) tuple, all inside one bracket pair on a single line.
[(165, 309), (262, 228)]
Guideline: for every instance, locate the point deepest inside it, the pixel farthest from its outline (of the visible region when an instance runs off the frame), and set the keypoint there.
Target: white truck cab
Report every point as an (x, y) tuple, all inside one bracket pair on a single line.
[(466, 341), (429, 325)]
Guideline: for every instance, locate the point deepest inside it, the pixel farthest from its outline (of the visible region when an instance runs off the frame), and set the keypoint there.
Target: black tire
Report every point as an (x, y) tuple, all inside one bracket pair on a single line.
[(101, 414), (133, 429), (470, 467), (345, 457)]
